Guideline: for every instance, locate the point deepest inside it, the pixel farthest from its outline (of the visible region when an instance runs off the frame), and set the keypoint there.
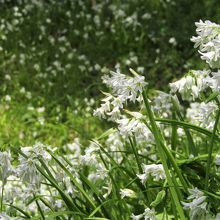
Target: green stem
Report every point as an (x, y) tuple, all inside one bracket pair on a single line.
[(188, 135), (210, 151), (161, 140), (2, 195), (136, 155), (174, 135), (160, 146)]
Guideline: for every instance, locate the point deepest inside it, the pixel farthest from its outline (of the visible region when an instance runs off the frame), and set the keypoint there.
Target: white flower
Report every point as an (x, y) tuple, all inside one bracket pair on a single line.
[(217, 160), (136, 217), (202, 114), (214, 81), (172, 41), (149, 214), (28, 172), (90, 157), (184, 87), (162, 103), (128, 127), (5, 166), (208, 41), (124, 88), (198, 206), (74, 147), (7, 98), (192, 84), (4, 216), (41, 109), (127, 193), (154, 170)]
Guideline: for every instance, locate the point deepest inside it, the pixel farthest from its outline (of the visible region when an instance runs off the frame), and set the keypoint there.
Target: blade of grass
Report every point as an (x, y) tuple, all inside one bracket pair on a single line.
[(40, 210), (65, 197), (174, 135), (52, 215), (163, 157), (210, 151), (87, 197), (190, 148), (20, 210), (188, 125)]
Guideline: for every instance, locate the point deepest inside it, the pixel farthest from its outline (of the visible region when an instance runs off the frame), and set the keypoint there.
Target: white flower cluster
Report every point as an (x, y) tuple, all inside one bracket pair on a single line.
[(162, 103), (27, 169), (191, 85), (198, 206), (149, 214), (123, 88), (115, 145), (22, 181), (74, 148), (91, 159), (127, 193), (217, 160), (214, 82), (135, 127), (208, 41), (202, 114), (154, 170), (5, 166)]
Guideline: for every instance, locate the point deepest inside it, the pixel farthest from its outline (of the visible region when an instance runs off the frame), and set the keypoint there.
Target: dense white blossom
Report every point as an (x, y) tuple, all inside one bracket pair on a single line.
[(127, 193), (149, 214), (217, 159), (202, 114), (192, 84), (124, 88), (134, 126), (5, 166), (28, 172), (197, 205), (162, 103), (208, 41), (153, 170), (115, 144)]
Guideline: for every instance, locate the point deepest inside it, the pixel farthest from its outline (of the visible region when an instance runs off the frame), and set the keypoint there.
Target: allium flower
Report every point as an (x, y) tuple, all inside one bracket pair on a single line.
[(115, 145), (198, 206), (5, 166), (13, 190), (162, 103), (202, 114), (186, 86), (90, 156), (28, 172), (153, 170), (208, 41), (37, 150), (124, 88), (128, 127), (192, 84), (214, 82), (217, 159), (149, 214), (127, 193), (4, 216), (74, 148)]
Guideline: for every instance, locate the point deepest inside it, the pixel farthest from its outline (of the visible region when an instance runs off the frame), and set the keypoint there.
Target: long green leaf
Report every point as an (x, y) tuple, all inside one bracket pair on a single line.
[(161, 148), (78, 186), (188, 125)]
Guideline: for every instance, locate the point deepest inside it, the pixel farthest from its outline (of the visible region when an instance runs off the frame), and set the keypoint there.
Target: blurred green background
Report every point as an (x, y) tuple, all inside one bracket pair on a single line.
[(53, 54)]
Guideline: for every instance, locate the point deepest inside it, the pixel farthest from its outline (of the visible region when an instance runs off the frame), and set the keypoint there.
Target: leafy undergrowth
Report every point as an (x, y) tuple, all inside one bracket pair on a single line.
[(22, 124)]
